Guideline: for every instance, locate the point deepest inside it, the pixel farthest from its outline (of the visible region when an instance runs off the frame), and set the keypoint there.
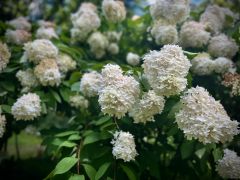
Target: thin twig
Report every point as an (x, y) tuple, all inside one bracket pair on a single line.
[(115, 121)]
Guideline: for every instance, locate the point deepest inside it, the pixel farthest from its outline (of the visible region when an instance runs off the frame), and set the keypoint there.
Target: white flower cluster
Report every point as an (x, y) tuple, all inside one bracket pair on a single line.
[(48, 72), (78, 101), (222, 45), (113, 39), (133, 59), (98, 44), (228, 167), (84, 21), (91, 84), (27, 79), (232, 80), (27, 107), (173, 11), (216, 18), (46, 33), (202, 117), (150, 105), (202, 64), (119, 92), (164, 33), (65, 63), (124, 146), (2, 125), (166, 70), (40, 49), (18, 36), (20, 23), (194, 34), (113, 10), (4, 56)]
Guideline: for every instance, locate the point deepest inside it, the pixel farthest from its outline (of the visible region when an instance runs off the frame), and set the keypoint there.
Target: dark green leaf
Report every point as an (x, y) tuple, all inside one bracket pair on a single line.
[(102, 170)]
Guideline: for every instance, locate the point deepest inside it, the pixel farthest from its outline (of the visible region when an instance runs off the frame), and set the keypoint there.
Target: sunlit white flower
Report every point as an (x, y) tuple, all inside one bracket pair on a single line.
[(40, 49), (27, 107), (202, 117), (113, 48), (202, 64), (111, 74), (133, 59), (166, 70)]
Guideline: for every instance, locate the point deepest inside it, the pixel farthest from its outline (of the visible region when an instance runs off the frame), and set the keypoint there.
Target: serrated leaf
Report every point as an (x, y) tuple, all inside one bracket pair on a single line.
[(65, 165), (102, 170), (91, 172)]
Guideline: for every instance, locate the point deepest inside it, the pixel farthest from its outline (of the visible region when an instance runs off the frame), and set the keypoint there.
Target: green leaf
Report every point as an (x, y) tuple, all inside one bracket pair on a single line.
[(91, 138), (102, 170), (66, 133), (76, 87), (190, 55), (74, 137), (68, 144), (200, 153), (130, 174), (65, 165), (187, 149), (103, 120), (6, 108), (76, 177), (56, 96), (217, 154), (65, 93), (91, 172), (8, 86)]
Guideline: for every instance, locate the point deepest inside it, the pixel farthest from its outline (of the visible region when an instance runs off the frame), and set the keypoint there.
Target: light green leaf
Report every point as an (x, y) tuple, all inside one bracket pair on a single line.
[(102, 170), (74, 137), (200, 153), (68, 144), (91, 138), (76, 87), (65, 165), (66, 133), (56, 96), (217, 154), (76, 177), (103, 120), (6, 108), (91, 172)]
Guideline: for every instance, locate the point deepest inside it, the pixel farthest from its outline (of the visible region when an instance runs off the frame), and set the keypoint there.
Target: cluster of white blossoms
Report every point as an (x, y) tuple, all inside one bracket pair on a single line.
[(65, 63), (85, 21), (78, 101), (145, 109), (202, 64), (18, 36), (173, 11), (164, 32), (2, 125), (216, 18), (228, 167), (202, 117), (194, 34), (46, 30), (48, 73), (98, 43), (119, 92), (91, 84), (113, 10), (166, 70), (113, 39), (27, 107), (27, 79), (124, 146), (222, 46), (232, 80), (40, 49), (4, 56), (20, 23), (133, 59)]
